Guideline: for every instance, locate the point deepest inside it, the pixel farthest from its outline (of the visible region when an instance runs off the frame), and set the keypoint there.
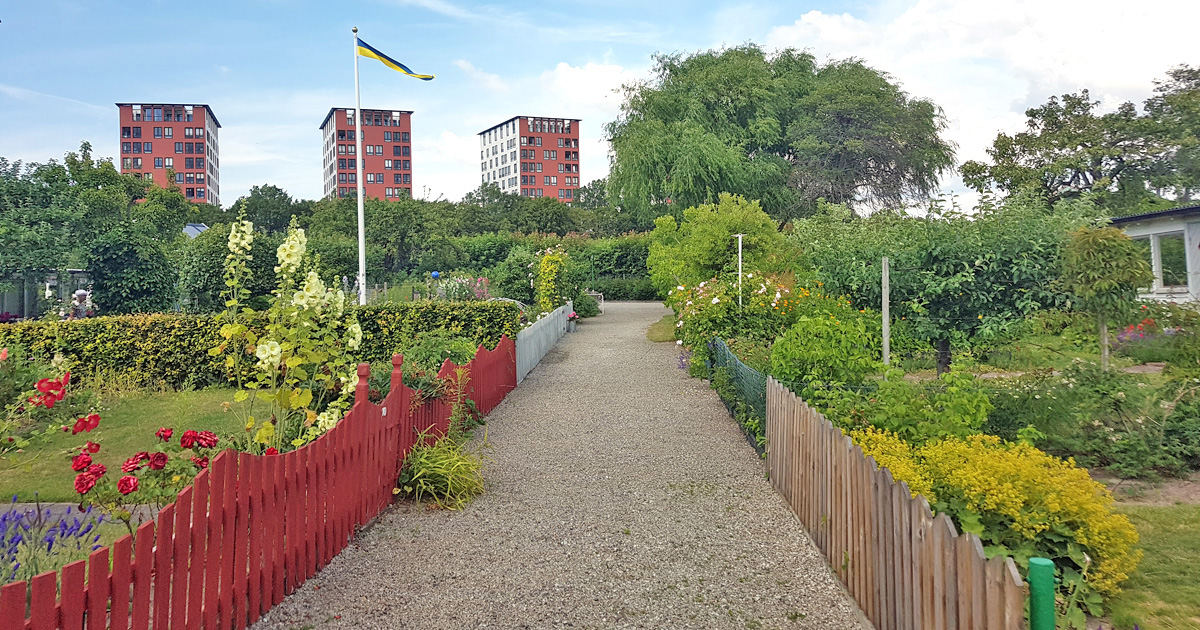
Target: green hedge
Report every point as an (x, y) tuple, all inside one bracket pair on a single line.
[(171, 350)]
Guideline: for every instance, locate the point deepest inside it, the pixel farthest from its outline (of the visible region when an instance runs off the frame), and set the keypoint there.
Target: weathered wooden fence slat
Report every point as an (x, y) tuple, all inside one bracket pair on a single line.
[(907, 569)]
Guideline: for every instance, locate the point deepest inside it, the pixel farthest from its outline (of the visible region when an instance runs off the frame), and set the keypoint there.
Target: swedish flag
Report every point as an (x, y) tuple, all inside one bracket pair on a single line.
[(366, 50)]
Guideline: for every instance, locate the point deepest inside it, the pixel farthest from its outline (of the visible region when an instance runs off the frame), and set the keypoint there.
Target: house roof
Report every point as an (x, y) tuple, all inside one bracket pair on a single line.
[(365, 109), (1160, 214), (194, 229)]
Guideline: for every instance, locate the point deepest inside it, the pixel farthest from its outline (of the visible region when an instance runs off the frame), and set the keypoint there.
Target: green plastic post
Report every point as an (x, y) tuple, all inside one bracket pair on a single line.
[(1041, 594)]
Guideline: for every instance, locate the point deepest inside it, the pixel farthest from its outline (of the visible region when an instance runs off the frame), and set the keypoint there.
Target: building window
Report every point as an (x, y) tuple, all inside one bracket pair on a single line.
[(539, 167), (199, 162), (568, 193), (168, 132), (352, 163), (189, 178), (387, 192), (404, 136), (560, 143), (158, 132), (126, 164), (341, 163), (179, 147), (199, 178), (387, 136), (189, 163), (137, 132), (137, 147), (560, 168), (396, 150), (379, 149), (191, 193), (158, 163), (341, 149), (342, 178), (407, 165), (341, 192), (341, 134), (396, 179), (178, 178), (407, 178), (370, 178), (353, 177), (199, 193), (169, 162), (146, 147), (560, 193), (200, 148), (387, 165), (370, 150), (187, 132), (125, 147)]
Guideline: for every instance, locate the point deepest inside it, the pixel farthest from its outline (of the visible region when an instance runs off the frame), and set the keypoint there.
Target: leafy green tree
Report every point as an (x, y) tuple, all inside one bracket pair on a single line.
[(956, 279), (1104, 268), (1175, 109), (783, 130), (130, 273), (270, 208), (1068, 150), (703, 245), (34, 224)]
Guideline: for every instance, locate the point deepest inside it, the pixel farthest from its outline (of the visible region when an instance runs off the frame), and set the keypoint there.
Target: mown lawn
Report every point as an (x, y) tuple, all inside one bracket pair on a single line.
[(127, 426), (1164, 593), (662, 330)]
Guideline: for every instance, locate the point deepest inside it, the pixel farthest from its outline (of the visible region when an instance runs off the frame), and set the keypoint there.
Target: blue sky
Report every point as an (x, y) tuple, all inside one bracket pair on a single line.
[(271, 69)]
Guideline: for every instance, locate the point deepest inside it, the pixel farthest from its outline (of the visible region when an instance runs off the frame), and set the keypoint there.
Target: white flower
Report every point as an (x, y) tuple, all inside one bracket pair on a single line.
[(354, 336), (679, 342), (268, 354), (749, 275), (778, 295), (716, 300), (241, 234), (313, 294), (680, 287), (291, 251), (326, 420), (679, 324)]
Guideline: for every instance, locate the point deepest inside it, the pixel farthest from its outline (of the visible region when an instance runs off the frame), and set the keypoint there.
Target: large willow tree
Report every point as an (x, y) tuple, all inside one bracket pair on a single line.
[(782, 129)]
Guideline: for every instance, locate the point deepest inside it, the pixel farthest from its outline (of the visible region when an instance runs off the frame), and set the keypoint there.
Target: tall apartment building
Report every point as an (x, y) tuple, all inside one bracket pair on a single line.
[(533, 157), (162, 137), (387, 153)]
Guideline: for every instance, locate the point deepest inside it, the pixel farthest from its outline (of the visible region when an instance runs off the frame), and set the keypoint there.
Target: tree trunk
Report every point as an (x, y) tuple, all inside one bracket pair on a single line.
[(943, 355), (1104, 345)]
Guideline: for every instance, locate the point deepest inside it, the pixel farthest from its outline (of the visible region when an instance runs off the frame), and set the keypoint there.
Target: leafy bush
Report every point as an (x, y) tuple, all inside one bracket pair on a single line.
[(160, 350), (513, 278), (710, 309), (841, 347), (448, 468), (702, 245), (550, 283), (637, 288), (586, 305), (202, 269), (131, 273), (1023, 503), (952, 406), (425, 354)]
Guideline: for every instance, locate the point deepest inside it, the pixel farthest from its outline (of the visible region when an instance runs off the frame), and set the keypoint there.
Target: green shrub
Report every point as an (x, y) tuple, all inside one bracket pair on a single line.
[(425, 354), (586, 305), (131, 273), (634, 288), (168, 350), (710, 308), (833, 348)]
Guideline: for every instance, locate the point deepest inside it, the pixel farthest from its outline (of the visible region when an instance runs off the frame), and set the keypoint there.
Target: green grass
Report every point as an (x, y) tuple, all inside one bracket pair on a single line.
[(1164, 593), (127, 426), (662, 330)]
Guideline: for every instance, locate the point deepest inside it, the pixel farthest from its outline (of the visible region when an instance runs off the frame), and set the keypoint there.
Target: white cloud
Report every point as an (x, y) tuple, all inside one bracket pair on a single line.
[(986, 63), (488, 80)]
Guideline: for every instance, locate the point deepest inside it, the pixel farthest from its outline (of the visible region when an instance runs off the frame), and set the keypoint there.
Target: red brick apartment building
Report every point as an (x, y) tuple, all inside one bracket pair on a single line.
[(387, 153), (180, 138), (533, 157)]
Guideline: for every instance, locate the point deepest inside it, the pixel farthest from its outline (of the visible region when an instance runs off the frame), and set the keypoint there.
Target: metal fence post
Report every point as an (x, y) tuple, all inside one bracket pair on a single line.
[(1041, 594)]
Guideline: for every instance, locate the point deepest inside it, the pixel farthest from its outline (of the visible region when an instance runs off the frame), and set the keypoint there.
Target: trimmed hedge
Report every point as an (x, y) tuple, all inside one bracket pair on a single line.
[(171, 350)]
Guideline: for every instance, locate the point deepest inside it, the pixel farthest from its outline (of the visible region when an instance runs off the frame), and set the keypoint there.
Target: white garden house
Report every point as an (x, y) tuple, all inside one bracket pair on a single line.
[(1172, 242)]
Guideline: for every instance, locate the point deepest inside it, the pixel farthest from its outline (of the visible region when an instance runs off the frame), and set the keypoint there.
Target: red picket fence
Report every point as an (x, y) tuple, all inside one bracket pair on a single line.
[(251, 529)]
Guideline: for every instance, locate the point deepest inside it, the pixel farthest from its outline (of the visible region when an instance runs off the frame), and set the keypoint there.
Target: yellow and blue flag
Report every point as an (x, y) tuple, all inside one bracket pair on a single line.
[(366, 50)]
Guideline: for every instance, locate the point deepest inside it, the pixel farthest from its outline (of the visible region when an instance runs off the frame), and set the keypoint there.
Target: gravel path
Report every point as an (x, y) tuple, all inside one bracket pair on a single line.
[(620, 495)]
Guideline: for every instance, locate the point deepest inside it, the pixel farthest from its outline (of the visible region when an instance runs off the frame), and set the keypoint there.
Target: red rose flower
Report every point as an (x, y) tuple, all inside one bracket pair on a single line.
[(96, 470), (271, 451), (84, 483), (81, 462), (206, 439), (188, 439), (46, 385), (93, 421), (48, 401), (158, 461), (66, 378), (200, 462), (127, 484), (131, 464), (164, 433), (91, 447)]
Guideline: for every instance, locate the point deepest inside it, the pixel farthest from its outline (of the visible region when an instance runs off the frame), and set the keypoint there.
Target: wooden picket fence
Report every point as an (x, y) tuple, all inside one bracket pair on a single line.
[(905, 568), (251, 529)]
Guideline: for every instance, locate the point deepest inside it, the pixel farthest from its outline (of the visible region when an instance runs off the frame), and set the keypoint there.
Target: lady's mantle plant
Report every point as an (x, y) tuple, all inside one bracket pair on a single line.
[(291, 362)]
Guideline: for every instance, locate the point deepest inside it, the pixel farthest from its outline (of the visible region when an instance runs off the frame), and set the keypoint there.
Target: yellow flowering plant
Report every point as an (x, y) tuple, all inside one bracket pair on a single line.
[(295, 377), (1022, 503)]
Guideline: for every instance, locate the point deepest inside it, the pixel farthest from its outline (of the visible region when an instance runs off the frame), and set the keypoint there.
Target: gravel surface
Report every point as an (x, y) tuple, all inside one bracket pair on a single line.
[(620, 495)]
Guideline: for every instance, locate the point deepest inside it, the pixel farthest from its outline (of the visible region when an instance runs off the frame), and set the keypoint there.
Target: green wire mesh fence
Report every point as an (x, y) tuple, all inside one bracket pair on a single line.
[(743, 389)]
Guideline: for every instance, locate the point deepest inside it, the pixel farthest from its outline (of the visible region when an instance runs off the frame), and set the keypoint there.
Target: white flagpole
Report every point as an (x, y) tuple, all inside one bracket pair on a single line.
[(358, 162)]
